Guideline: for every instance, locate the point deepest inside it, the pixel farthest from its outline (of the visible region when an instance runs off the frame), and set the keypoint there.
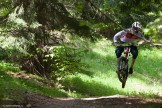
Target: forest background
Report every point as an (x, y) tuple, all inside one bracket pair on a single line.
[(63, 48)]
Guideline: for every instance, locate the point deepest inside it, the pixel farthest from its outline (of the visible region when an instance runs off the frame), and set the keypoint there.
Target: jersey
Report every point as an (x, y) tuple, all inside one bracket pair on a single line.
[(128, 36)]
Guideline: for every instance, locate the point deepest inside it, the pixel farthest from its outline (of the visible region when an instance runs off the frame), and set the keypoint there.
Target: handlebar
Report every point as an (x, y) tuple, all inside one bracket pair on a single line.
[(126, 44)]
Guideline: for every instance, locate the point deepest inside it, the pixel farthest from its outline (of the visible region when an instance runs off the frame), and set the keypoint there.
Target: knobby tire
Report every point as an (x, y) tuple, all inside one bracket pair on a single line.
[(123, 72)]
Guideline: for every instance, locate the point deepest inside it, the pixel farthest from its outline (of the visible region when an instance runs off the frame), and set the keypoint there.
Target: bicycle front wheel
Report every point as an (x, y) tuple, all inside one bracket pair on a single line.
[(122, 74)]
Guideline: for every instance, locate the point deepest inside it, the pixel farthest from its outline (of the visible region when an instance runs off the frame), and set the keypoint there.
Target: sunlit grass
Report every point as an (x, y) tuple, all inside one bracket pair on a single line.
[(146, 80)]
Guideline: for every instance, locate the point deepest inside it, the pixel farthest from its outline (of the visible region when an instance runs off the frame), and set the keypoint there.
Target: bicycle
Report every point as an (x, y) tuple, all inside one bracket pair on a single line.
[(123, 66)]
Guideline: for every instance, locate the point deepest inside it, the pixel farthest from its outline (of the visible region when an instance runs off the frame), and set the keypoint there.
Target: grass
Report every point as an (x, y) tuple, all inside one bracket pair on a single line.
[(15, 88), (99, 79), (146, 80)]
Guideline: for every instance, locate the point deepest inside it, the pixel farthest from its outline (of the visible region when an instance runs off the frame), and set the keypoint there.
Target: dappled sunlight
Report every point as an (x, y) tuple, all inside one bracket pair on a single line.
[(149, 80), (149, 63), (140, 84), (102, 63), (137, 85), (155, 53), (104, 48), (98, 63), (90, 86), (105, 51)]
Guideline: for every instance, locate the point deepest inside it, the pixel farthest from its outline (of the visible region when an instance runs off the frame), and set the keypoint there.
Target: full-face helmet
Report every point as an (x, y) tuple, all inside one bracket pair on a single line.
[(136, 26)]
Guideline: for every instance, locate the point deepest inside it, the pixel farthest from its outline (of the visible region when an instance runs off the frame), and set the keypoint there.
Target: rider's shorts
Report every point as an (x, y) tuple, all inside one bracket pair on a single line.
[(120, 49)]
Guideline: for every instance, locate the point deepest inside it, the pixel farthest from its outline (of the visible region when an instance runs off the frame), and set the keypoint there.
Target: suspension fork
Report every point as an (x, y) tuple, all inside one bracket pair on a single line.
[(126, 51)]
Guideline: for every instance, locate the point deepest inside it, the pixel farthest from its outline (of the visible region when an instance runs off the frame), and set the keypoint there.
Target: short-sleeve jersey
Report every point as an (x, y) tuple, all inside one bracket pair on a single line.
[(128, 36)]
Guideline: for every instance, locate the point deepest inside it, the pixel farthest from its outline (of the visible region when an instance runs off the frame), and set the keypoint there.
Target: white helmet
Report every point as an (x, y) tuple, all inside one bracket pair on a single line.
[(137, 25)]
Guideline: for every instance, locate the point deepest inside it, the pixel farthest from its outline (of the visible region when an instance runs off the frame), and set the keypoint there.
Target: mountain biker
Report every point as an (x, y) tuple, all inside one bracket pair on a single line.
[(128, 36)]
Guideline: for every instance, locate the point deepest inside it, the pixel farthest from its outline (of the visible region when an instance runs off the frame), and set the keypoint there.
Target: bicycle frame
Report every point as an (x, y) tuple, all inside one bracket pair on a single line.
[(123, 73), (126, 55), (126, 52)]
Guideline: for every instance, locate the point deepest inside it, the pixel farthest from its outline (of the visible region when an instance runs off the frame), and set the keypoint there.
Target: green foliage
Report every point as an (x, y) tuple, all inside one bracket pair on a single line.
[(10, 49), (128, 11), (36, 22), (64, 61), (154, 30), (5, 7), (8, 67)]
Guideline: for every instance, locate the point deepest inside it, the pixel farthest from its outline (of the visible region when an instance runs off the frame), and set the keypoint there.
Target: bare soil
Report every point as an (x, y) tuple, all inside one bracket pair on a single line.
[(33, 100), (38, 101)]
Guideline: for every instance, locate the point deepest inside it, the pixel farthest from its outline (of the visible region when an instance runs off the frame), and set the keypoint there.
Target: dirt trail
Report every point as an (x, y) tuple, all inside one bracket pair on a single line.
[(38, 101)]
